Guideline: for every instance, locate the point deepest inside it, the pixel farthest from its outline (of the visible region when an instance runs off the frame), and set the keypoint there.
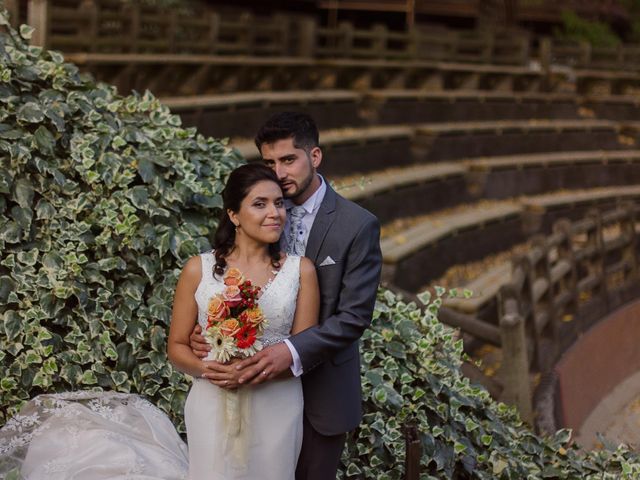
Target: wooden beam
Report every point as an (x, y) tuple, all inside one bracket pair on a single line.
[(38, 18)]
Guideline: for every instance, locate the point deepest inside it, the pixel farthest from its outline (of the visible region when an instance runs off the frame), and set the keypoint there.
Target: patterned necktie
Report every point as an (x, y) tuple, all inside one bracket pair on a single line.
[(296, 234)]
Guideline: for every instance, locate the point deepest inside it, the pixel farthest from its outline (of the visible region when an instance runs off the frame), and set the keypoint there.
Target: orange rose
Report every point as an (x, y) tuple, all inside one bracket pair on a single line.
[(218, 309), (253, 316), (232, 295), (229, 327), (233, 277)]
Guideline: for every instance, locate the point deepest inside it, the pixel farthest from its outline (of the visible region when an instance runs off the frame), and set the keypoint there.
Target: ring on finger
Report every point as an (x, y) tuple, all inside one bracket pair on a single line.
[(264, 372)]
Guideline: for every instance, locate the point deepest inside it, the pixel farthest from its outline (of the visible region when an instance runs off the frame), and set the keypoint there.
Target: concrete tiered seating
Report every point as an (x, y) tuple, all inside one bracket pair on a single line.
[(187, 74), (425, 250), (417, 106), (424, 188), (368, 149), (240, 114)]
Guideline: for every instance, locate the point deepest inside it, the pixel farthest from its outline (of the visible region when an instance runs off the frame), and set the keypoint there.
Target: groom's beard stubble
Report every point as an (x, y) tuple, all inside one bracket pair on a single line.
[(300, 189)]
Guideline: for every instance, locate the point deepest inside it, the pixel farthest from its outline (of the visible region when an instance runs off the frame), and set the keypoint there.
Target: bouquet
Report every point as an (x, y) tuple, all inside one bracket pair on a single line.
[(234, 321)]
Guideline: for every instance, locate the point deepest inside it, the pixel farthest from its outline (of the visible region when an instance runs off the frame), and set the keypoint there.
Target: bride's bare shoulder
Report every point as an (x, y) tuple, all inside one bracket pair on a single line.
[(306, 267), (192, 270)]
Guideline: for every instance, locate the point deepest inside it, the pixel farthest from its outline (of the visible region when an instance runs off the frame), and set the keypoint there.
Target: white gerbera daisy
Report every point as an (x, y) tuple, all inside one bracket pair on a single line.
[(222, 346)]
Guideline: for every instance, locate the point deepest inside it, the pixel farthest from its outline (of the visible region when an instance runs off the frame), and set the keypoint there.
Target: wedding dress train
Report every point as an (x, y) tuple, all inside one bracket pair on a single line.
[(249, 434), (91, 436)]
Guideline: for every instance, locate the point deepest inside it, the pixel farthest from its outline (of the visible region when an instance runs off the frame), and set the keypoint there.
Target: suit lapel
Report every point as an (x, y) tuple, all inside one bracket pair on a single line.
[(321, 224)]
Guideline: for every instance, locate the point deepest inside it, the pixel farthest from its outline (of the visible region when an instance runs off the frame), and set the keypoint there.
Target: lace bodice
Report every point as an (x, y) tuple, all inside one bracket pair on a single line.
[(278, 298)]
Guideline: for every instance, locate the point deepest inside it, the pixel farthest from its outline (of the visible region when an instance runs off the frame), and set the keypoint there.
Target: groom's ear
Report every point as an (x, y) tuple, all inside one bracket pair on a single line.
[(316, 157)]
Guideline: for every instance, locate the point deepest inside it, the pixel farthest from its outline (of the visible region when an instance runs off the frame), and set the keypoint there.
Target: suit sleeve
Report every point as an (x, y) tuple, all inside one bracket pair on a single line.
[(355, 304)]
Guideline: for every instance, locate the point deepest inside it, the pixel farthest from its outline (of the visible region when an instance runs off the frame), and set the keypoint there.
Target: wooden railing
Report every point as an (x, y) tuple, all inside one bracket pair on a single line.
[(110, 26), (560, 288), (583, 55), (421, 43)]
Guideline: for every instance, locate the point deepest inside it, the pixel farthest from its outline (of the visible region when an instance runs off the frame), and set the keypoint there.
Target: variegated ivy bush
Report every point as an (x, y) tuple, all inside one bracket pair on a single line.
[(411, 375), (102, 198)]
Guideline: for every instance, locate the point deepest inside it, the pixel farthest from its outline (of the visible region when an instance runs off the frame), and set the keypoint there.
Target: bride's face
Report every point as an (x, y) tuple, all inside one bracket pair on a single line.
[(262, 214)]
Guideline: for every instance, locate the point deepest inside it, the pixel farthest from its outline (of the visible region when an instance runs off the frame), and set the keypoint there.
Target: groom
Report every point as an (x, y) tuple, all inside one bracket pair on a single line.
[(343, 240)]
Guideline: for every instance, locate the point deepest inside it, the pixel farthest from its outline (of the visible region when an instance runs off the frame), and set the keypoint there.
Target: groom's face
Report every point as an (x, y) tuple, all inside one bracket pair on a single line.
[(295, 167)]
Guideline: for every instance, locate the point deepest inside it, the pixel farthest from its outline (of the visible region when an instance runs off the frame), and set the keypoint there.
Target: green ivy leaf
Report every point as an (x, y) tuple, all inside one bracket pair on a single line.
[(23, 193), (26, 31), (30, 112), (44, 140)]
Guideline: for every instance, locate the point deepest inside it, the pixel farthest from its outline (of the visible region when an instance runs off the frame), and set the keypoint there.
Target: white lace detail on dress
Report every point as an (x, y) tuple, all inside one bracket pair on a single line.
[(62, 426), (278, 299)]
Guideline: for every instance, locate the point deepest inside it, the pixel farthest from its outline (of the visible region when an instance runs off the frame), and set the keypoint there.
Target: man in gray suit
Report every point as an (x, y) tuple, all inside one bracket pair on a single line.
[(343, 241)]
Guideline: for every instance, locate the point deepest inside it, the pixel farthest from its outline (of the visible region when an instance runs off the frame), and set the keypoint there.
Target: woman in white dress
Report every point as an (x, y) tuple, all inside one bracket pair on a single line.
[(233, 431)]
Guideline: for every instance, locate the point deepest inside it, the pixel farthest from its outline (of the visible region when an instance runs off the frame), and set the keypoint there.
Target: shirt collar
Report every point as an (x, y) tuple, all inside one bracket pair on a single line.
[(311, 204)]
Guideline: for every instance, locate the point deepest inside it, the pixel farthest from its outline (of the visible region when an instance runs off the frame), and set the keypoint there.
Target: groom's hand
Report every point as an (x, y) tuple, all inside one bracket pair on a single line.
[(265, 365), (197, 342)]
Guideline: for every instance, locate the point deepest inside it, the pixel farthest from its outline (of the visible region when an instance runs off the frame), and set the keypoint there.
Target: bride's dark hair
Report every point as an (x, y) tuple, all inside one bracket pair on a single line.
[(241, 180)]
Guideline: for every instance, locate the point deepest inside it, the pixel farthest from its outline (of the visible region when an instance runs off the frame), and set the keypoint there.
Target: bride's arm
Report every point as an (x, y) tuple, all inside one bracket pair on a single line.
[(183, 318), (308, 302)]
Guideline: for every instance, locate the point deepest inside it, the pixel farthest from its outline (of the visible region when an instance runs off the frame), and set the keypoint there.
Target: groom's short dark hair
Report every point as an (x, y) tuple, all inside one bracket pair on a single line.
[(283, 125)]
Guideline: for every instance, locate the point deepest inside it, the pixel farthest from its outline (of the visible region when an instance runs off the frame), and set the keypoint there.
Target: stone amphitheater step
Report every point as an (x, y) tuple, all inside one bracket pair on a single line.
[(422, 252), (417, 106), (612, 107), (446, 141), (605, 81), (419, 189), (197, 74), (241, 114), (367, 149)]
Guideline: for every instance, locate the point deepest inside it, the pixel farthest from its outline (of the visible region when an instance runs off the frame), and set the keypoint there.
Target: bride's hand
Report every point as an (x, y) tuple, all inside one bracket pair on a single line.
[(223, 375)]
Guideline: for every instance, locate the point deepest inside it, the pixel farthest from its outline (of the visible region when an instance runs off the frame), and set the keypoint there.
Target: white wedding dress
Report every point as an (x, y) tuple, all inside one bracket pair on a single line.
[(252, 433)]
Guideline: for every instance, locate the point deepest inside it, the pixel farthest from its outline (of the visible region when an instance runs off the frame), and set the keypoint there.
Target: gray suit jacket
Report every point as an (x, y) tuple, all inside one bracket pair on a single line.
[(329, 353)]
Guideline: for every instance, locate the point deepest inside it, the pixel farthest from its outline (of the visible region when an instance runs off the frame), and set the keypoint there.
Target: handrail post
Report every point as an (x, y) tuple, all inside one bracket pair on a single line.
[(544, 56), (628, 224), (133, 14), (89, 29), (345, 39), (307, 37), (213, 32), (413, 452), (38, 18), (379, 40), (515, 364), (14, 12)]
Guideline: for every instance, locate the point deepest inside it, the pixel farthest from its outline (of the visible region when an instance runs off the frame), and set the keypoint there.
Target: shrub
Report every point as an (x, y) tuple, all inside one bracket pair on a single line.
[(411, 374), (598, 34), (102, 198)]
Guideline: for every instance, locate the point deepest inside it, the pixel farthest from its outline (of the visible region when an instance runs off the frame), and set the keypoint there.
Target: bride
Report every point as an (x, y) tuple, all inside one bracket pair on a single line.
[(247, 433), (233, 432)]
